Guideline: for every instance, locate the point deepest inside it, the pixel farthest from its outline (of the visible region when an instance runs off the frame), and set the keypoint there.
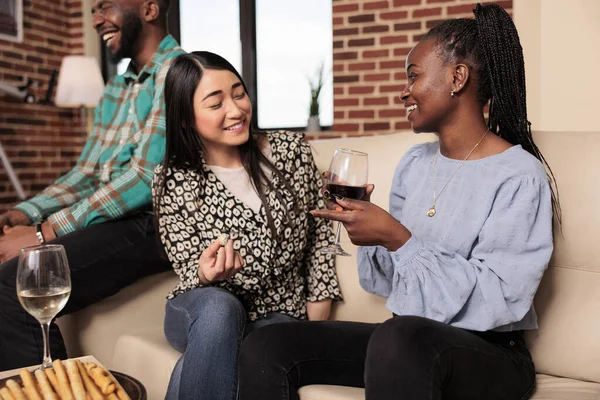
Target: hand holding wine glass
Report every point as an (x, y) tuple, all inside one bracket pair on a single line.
[(347, 177), (43, 286)]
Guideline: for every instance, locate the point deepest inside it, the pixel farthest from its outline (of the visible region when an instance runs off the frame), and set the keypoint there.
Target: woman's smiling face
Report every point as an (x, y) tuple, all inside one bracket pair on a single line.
[(427, 96), (222, 109)]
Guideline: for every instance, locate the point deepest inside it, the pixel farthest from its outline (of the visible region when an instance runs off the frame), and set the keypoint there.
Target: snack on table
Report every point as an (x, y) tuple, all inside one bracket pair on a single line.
[(5, 394), (44, 382), (29, 385), (101, 378), (49, 373), (15, 390), (75, 379), (90, 387), (68, 380)]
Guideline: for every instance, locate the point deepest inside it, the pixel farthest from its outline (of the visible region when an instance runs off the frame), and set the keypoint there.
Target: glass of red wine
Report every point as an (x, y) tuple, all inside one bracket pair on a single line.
[(348, 174)]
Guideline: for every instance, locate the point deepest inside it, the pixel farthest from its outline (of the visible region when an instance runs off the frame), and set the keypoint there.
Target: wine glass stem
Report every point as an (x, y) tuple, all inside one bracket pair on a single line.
[(337, 234), (47, 359)]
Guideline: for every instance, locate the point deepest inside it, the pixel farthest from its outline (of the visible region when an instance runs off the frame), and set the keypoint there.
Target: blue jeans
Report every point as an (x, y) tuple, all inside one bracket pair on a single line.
[(208, 325)]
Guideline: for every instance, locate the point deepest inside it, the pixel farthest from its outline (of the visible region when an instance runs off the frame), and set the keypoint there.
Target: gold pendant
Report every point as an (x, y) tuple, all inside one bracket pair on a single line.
[(431, 212)]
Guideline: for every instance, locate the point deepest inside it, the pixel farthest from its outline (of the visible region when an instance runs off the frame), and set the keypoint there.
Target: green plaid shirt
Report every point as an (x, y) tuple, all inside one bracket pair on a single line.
[(113, 174)]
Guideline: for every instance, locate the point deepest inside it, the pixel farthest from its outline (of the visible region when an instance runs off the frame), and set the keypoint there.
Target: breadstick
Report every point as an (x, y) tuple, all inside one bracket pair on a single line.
[(53, 381), (101, 378), (6, 395), (121, 393), (90, 387), (63, 382), (75, 379), (29, 385), (15, 389), (45, 388)]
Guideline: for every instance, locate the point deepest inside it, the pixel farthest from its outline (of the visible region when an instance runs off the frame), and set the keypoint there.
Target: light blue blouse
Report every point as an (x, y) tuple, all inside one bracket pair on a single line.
[(478, 262)]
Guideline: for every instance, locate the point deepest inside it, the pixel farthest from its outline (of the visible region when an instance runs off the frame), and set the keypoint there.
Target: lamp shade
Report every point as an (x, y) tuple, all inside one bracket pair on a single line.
[(80, 82)]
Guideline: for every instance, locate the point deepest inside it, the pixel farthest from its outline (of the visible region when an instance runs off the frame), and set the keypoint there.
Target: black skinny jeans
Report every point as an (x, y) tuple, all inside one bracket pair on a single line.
[(103, 259), (405, 358)]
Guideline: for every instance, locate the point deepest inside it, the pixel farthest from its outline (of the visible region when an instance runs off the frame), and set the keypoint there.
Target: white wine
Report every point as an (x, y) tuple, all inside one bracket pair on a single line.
[(44, 303)]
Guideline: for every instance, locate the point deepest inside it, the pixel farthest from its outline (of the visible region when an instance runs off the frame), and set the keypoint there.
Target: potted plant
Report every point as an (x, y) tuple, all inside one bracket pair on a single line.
[(316, 84)]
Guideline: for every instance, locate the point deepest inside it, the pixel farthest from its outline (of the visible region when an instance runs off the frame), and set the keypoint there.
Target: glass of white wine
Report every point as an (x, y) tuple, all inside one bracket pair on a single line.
[(43, 286)]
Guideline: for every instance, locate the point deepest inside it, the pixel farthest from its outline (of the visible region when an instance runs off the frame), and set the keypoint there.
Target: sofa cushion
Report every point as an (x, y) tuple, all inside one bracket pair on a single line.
[(136, 310), (568, 300), (330, 392), (548, 388), (149, 358), (553, 388)]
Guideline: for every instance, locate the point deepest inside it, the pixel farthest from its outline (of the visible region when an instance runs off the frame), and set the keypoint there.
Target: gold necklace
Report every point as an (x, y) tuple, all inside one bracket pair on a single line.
[(431, 212)]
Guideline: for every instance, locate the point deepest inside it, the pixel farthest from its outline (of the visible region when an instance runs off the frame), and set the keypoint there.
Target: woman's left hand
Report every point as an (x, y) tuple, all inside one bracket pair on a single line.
[(318, 310), (367, 224)]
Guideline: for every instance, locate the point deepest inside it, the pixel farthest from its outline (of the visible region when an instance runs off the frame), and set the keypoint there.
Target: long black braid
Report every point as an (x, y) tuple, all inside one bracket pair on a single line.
[(490, 46)]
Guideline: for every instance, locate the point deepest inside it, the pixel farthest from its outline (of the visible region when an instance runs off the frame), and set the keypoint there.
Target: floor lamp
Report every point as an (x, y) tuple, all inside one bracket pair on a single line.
[(80, 85)]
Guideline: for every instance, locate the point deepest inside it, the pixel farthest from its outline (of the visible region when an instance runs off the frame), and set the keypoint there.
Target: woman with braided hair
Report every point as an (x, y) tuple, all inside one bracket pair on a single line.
[(460, 255)]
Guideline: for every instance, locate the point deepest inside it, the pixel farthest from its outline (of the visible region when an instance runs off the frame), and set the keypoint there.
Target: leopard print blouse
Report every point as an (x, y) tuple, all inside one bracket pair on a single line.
[(281, 271)]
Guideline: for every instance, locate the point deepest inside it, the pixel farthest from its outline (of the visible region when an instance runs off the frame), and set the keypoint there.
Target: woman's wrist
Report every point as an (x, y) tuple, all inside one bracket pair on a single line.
[(202, 278), (397, 238)]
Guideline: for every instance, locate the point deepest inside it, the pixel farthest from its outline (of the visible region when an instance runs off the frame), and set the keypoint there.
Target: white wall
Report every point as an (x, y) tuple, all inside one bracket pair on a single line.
[(562, 60)]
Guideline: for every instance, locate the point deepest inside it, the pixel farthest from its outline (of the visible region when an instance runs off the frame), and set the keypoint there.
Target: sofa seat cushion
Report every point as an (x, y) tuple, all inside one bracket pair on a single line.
[(548, 388), (331, 392), (554, 388)]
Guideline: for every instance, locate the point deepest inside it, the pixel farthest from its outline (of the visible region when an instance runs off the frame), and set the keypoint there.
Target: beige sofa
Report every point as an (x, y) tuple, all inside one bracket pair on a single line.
[(125, 331)]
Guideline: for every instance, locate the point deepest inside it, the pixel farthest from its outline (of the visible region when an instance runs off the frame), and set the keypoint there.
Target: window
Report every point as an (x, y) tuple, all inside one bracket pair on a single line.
[(277, 46), (293, 42), (11, 20), (214, 26)]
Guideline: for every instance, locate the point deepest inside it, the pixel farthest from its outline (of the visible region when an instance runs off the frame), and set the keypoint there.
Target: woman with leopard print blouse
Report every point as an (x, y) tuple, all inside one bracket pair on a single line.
[(219, 178)]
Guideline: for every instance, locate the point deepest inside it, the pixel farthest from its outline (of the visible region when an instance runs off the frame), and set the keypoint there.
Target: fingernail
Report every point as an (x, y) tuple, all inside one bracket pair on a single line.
[(337, 196)]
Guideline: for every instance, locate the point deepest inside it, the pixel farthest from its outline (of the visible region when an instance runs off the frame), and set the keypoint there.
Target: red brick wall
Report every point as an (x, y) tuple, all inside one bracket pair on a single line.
[(42, 141), (371, 39)]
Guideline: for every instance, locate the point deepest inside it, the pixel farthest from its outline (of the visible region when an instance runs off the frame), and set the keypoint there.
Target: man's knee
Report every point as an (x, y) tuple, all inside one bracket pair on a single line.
[(8, 279), (8, 270)]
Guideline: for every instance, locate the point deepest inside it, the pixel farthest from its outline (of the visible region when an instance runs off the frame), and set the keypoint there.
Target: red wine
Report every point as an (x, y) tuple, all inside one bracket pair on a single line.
[(351, 192)]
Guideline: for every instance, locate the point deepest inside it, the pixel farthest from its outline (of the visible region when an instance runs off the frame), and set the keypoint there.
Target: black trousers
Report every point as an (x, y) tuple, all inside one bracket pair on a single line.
[(405, 358), (103, 259)]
